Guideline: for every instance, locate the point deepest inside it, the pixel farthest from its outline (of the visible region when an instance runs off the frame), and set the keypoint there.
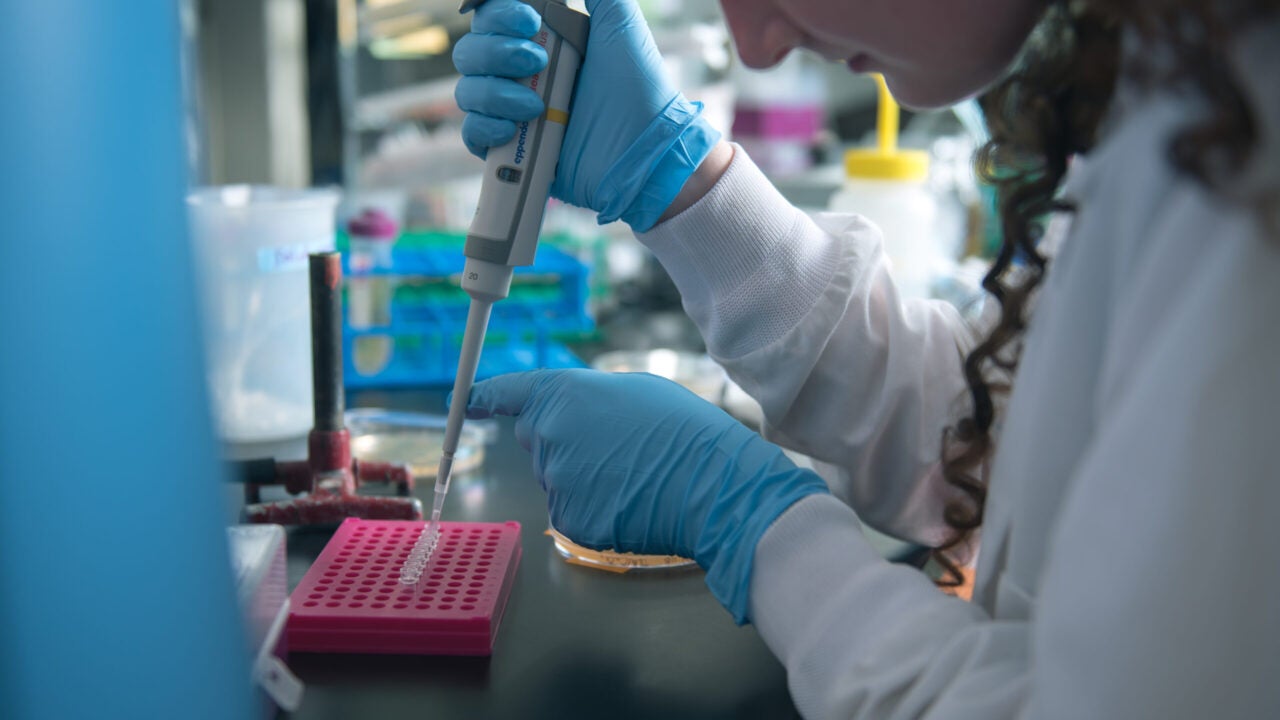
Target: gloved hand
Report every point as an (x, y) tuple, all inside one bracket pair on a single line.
[(636, 463), (632, 139)]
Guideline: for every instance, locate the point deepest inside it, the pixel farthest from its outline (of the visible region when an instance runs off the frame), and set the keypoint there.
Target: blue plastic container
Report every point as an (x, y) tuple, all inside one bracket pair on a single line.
[(548, 303)]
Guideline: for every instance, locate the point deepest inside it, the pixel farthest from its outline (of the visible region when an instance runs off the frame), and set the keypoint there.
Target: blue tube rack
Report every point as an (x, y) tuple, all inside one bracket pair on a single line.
[(548, 303)]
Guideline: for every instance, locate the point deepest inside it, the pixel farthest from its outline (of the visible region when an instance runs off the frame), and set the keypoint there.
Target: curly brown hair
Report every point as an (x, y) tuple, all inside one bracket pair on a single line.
[(1050, 108)]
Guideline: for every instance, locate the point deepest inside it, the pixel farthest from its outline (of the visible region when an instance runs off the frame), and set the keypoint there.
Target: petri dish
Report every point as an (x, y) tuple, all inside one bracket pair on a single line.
[(416, 439), (614, 561), (695, 371)]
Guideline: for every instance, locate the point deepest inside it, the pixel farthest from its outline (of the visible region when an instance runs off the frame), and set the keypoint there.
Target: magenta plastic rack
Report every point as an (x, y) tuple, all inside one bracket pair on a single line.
[(351, 600)]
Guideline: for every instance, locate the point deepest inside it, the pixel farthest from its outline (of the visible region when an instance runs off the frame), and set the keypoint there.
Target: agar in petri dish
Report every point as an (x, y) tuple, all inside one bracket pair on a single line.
[(614, 561), (416, 439)]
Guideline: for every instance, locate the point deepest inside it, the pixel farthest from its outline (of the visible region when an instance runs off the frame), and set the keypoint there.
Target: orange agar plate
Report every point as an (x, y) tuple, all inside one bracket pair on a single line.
[(614, 561)]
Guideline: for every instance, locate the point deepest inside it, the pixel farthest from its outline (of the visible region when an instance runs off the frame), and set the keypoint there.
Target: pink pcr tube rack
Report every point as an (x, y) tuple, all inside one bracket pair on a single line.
[(351, 599)]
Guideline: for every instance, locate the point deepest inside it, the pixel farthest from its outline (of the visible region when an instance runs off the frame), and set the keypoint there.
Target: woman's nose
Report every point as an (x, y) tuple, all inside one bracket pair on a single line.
[(762, 36)]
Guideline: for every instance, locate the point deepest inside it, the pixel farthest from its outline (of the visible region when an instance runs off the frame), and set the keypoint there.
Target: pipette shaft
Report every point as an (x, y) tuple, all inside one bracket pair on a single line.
[(468, 361), (504, 233)]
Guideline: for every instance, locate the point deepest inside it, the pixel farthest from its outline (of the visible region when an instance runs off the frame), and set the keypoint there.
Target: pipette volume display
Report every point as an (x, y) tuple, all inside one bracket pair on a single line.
[(504, 232)]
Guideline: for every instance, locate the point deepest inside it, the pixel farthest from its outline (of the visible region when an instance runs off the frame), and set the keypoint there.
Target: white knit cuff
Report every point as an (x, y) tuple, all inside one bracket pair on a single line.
[(747, 263), (817, 538)]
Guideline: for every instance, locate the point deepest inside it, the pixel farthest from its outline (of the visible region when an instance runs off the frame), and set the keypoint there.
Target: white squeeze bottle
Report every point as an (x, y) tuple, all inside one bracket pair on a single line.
[(887, 185)]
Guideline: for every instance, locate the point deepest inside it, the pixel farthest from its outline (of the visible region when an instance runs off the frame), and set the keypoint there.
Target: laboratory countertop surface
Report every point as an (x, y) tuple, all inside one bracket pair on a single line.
[(575, 642)]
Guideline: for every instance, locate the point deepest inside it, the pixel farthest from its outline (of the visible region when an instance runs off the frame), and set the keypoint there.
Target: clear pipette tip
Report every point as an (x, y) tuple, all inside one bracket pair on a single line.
[(420, 554), (442, 489)]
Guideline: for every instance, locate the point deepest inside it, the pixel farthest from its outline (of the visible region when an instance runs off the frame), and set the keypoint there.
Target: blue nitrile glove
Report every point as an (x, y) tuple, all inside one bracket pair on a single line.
[(636, 463), (632, 140)]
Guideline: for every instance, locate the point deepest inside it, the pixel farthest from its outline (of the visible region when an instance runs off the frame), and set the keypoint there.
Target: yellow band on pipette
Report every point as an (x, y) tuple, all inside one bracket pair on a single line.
[(557, 116)]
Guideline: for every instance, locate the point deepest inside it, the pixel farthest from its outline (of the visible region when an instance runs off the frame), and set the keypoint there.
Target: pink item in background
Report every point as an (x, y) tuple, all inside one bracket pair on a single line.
[(373, 224), (801, 122), (372, 234), (350, 600), (779, 138)]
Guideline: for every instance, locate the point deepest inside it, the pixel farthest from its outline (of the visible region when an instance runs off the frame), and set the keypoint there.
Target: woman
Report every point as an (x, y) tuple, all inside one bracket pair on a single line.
[(1126, 373)]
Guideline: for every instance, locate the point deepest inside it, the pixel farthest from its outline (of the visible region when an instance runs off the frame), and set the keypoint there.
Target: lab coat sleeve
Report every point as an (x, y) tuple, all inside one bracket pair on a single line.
[(1158, 593), (805, 317), (1160, 598)]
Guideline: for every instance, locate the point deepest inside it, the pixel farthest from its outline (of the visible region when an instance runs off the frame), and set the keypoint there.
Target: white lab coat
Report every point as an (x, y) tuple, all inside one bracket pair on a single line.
[(1128, 567)]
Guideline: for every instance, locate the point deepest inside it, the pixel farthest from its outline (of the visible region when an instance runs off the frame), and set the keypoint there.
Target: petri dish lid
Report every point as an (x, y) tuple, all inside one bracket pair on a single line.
[(695, 371), (416, 439)]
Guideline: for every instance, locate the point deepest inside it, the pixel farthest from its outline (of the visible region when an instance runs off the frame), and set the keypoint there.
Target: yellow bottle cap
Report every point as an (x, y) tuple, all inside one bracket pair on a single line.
[(871, 164), (886, 161)]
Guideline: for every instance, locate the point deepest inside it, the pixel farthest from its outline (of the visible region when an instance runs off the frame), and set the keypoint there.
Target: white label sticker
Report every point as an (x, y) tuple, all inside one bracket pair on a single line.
[(286, 258)]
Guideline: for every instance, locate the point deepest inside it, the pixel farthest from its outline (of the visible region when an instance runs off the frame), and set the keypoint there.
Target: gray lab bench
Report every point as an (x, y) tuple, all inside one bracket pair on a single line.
[(574, 643)]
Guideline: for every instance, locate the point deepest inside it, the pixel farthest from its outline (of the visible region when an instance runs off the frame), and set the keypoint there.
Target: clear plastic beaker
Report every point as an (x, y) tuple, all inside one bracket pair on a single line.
[(251, 248)]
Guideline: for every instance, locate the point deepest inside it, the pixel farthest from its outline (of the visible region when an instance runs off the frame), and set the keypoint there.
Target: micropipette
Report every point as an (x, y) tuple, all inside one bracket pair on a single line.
[(513, 197)]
